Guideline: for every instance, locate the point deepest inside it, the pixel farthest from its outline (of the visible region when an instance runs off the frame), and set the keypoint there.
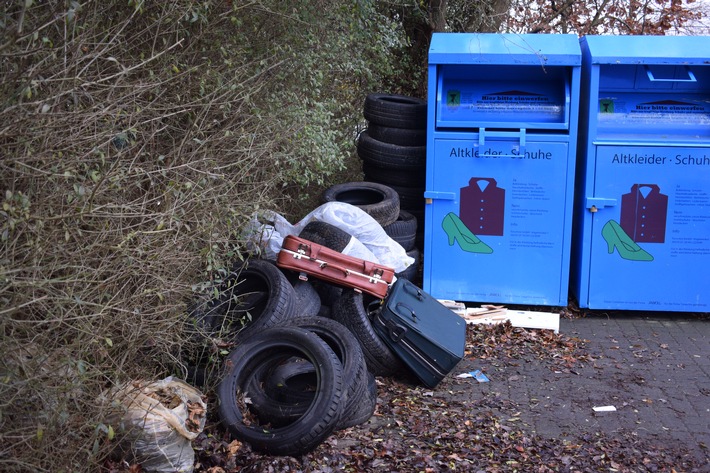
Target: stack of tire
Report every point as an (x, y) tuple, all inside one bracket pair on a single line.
[(393, 153), (297, 372), (293, 377)]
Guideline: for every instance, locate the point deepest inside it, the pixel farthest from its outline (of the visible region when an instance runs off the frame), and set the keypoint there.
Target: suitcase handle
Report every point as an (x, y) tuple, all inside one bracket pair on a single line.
[(324, 264), (312, 253), (395, 331), (415, 291), (402, 304)]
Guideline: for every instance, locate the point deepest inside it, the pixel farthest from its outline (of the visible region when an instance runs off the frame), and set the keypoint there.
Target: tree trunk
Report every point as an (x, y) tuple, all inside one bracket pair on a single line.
[(437, 15), (493, 21)]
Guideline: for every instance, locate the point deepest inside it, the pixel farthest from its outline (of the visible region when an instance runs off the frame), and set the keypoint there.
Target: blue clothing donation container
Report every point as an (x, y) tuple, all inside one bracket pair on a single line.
[(642, 228), (502, 129)]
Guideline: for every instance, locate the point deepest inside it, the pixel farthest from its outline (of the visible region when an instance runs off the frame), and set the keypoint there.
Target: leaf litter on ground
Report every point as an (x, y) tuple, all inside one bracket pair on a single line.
[(450, 429)]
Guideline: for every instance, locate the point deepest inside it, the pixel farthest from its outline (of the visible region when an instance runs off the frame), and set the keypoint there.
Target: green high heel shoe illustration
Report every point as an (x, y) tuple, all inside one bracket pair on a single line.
[(616, 237), (456, 230)]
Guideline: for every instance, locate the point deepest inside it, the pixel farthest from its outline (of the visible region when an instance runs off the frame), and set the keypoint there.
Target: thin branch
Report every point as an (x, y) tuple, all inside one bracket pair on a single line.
[(132, 68), (10, 310)]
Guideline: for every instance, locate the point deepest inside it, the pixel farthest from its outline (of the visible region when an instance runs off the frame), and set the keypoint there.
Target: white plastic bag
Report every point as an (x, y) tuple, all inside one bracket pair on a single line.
[(370, 242), (159, 420)]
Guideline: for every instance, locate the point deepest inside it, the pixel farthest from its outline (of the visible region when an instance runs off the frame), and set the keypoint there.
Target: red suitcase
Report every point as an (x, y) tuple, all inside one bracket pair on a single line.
[(307, 257)]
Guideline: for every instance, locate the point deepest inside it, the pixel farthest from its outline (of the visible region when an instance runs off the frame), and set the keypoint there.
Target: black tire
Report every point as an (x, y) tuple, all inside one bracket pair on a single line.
[(419, 215), (196, 375), (269, 404), (268, 347), (326, 235), (365, 408), (379, 201), (410, 198), (420, 239), (197, 351), (350, 311), (254, 296), (421, 225), (281, 393), (390, 156), (329, 293), (293, 382), (399, 111), (403, 230), (324, 311), (348, 350), (307, 300), (411, 272), (394, 177), (397, 136)]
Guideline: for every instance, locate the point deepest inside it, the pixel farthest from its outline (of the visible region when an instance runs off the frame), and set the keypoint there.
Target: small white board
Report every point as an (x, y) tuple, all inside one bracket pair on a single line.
[(490, 314)]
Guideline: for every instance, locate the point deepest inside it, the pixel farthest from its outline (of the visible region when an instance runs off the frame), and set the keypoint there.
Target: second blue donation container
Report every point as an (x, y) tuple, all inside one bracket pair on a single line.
[(502, 128), (642, 231)]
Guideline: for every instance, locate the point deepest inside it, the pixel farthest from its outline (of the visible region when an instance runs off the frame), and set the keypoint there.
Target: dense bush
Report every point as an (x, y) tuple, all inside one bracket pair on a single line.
[(136, 139)]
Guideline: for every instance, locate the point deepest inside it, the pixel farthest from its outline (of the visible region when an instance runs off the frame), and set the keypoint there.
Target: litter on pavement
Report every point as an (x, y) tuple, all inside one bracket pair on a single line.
[(478, 375), (496, 314)]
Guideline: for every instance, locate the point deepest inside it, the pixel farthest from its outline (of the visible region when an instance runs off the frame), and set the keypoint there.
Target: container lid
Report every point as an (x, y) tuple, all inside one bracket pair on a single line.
[(508, 48), (609, 49)]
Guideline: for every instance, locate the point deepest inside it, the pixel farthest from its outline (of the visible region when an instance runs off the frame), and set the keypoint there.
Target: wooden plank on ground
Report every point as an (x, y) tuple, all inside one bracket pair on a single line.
[(495, 314)]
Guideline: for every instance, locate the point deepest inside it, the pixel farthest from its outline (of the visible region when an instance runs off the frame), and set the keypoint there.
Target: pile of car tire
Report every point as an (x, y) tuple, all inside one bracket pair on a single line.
[(393, 151), (305, 353)]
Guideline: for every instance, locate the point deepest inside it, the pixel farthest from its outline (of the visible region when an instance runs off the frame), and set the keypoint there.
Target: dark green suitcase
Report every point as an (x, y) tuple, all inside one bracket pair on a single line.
[(428, 337)]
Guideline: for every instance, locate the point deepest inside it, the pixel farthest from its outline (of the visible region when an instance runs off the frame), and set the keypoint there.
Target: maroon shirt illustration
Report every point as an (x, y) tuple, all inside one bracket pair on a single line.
[(483, 206), (643, 213)]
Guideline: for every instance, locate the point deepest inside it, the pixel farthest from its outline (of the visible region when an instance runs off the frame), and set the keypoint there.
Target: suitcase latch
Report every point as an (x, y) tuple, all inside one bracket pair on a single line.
[(376, 275), (301, 252)]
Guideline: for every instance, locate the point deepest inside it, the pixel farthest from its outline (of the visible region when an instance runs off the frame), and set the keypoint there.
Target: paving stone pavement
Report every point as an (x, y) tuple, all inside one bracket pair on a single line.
[(654, 369)]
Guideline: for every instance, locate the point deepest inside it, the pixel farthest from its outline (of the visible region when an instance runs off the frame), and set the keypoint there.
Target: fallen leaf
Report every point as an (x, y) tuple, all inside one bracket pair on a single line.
[(234, 447)]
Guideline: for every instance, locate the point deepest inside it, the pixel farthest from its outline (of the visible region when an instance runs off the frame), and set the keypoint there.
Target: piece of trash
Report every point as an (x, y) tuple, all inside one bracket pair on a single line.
[(478, 375), (158, 420), (604, 408)]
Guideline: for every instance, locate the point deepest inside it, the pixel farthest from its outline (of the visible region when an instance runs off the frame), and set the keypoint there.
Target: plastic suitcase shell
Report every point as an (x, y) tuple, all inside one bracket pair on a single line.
[(428, 337), (309, 258)]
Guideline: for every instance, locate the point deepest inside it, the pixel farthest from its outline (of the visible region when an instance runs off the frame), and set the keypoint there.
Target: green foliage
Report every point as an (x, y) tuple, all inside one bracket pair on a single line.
[(323, 58)]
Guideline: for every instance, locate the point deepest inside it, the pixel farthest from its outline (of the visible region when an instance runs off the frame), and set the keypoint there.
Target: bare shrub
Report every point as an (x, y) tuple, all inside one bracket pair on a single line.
[(130, 159), (136, 139)]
